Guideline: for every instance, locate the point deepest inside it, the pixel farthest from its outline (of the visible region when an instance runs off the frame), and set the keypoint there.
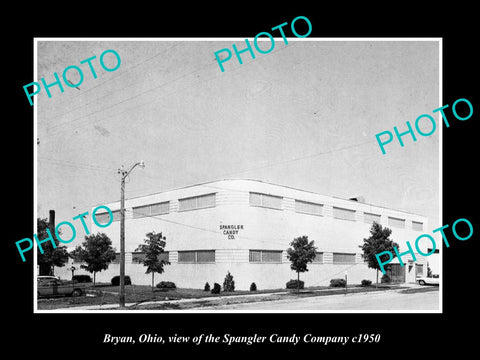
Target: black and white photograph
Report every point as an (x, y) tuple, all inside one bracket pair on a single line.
[(232, 181), (204, 182)]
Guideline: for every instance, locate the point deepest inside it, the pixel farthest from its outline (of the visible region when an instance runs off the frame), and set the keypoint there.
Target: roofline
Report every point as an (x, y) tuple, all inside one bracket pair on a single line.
[(268, 183)]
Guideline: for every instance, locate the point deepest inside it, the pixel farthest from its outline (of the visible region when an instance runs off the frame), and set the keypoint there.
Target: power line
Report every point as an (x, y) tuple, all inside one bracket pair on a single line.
[(81, 166), (108, 80), (151, 90)]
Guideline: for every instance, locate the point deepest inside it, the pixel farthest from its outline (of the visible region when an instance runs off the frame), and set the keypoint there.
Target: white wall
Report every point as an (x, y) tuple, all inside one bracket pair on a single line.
[(264, 229)]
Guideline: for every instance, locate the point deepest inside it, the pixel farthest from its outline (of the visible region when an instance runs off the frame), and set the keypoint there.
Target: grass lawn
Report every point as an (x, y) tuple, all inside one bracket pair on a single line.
[(138, 294)]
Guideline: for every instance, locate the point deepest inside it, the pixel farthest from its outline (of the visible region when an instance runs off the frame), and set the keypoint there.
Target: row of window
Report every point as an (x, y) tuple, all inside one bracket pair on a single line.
[(305, 207), (255, 256), (255, 199)]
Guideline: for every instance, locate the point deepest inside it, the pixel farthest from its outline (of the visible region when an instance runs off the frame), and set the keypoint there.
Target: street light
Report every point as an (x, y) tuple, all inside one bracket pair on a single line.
[(124, 174)]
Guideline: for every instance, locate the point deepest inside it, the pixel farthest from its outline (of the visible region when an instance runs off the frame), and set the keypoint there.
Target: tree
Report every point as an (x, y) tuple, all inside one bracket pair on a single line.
[(300, 254), (96, 252), (153, 247), (51, 256), (377, 242)]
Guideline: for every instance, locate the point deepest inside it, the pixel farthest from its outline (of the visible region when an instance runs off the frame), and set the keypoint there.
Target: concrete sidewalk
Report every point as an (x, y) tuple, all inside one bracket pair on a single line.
[(216, 298)]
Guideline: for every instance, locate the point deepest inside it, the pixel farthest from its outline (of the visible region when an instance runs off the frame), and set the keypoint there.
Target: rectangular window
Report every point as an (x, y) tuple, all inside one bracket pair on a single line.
[(205, 256), (344, 214), (255, 256), (141, 211), (151, 209), (104, 218), (186, 256), (200, 256), (271, 256), (160, 208), (264, 200), (117, 259), (197, 202), (318, 259), (419, 268), (164, 256), (417, 225), (308, 207), (343, 258), (396, 222), (138, 257), (265, 256), (369, 218)]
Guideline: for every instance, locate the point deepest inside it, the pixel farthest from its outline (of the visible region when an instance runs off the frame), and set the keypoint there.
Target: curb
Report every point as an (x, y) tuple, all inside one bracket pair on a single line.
[(212, 298)]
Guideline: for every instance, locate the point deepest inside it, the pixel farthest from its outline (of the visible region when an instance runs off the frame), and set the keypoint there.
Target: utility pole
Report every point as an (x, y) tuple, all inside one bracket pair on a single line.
[(124, 174), (51, 227)]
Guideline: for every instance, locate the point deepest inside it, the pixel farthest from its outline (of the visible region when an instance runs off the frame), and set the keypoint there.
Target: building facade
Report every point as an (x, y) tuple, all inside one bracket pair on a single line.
[(244, 227)]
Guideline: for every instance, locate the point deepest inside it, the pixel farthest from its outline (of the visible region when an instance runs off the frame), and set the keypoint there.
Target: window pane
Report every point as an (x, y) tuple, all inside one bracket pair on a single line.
[(255, 199), (419, 269), (345, 214), (417, 225), (308, 208), (255, 256), (271, 201), (116, 215), (103, 218), (206, 201), (342, 258), (318, 258), (141, 211), (399, 223), (164, 256), (160, 208), (138, 257), (271, 256), (206, 256), (186, 256), (187, 204), (370, 218), (117, 259)]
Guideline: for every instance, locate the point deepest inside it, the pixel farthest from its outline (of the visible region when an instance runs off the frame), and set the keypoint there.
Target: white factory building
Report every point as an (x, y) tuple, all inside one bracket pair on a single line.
[(244, 227)]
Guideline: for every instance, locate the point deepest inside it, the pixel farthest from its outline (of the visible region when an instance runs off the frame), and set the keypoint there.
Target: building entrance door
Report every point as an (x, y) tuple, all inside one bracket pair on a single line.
[(396, 273)]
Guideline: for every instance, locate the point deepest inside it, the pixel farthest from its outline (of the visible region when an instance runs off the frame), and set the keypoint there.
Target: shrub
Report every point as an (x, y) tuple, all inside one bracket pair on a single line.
[(253, 287), (206, 287), (338, 283), (293, 284), (366, 282), (82, 278), (228, 283), (216, 289), (116, 280), (166, 285), (385, 279)]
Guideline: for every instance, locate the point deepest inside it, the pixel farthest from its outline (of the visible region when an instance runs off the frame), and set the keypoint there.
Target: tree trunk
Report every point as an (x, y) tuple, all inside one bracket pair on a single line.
[(153, 274), (376, 284), (94, 273), (298, 282)]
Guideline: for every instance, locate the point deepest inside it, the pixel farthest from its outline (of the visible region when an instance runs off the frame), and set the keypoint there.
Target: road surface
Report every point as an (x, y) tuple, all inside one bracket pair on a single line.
[(384, 300)]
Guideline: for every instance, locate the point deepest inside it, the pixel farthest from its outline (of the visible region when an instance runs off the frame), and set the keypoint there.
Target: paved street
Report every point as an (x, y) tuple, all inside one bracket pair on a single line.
[(388, 300)]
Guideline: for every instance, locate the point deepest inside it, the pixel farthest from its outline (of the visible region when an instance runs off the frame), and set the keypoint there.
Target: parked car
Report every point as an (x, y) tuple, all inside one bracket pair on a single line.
[(82, 278), (424, 280), (116, 280), (48, 277), (48, 286)]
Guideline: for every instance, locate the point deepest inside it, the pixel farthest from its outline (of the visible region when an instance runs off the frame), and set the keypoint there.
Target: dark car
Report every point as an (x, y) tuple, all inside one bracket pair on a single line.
[(82, 278), (116, 280), (51, 286)]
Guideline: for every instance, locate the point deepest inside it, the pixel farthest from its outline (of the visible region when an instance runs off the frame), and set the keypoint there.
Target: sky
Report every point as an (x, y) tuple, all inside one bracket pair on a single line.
[(305, 116)]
